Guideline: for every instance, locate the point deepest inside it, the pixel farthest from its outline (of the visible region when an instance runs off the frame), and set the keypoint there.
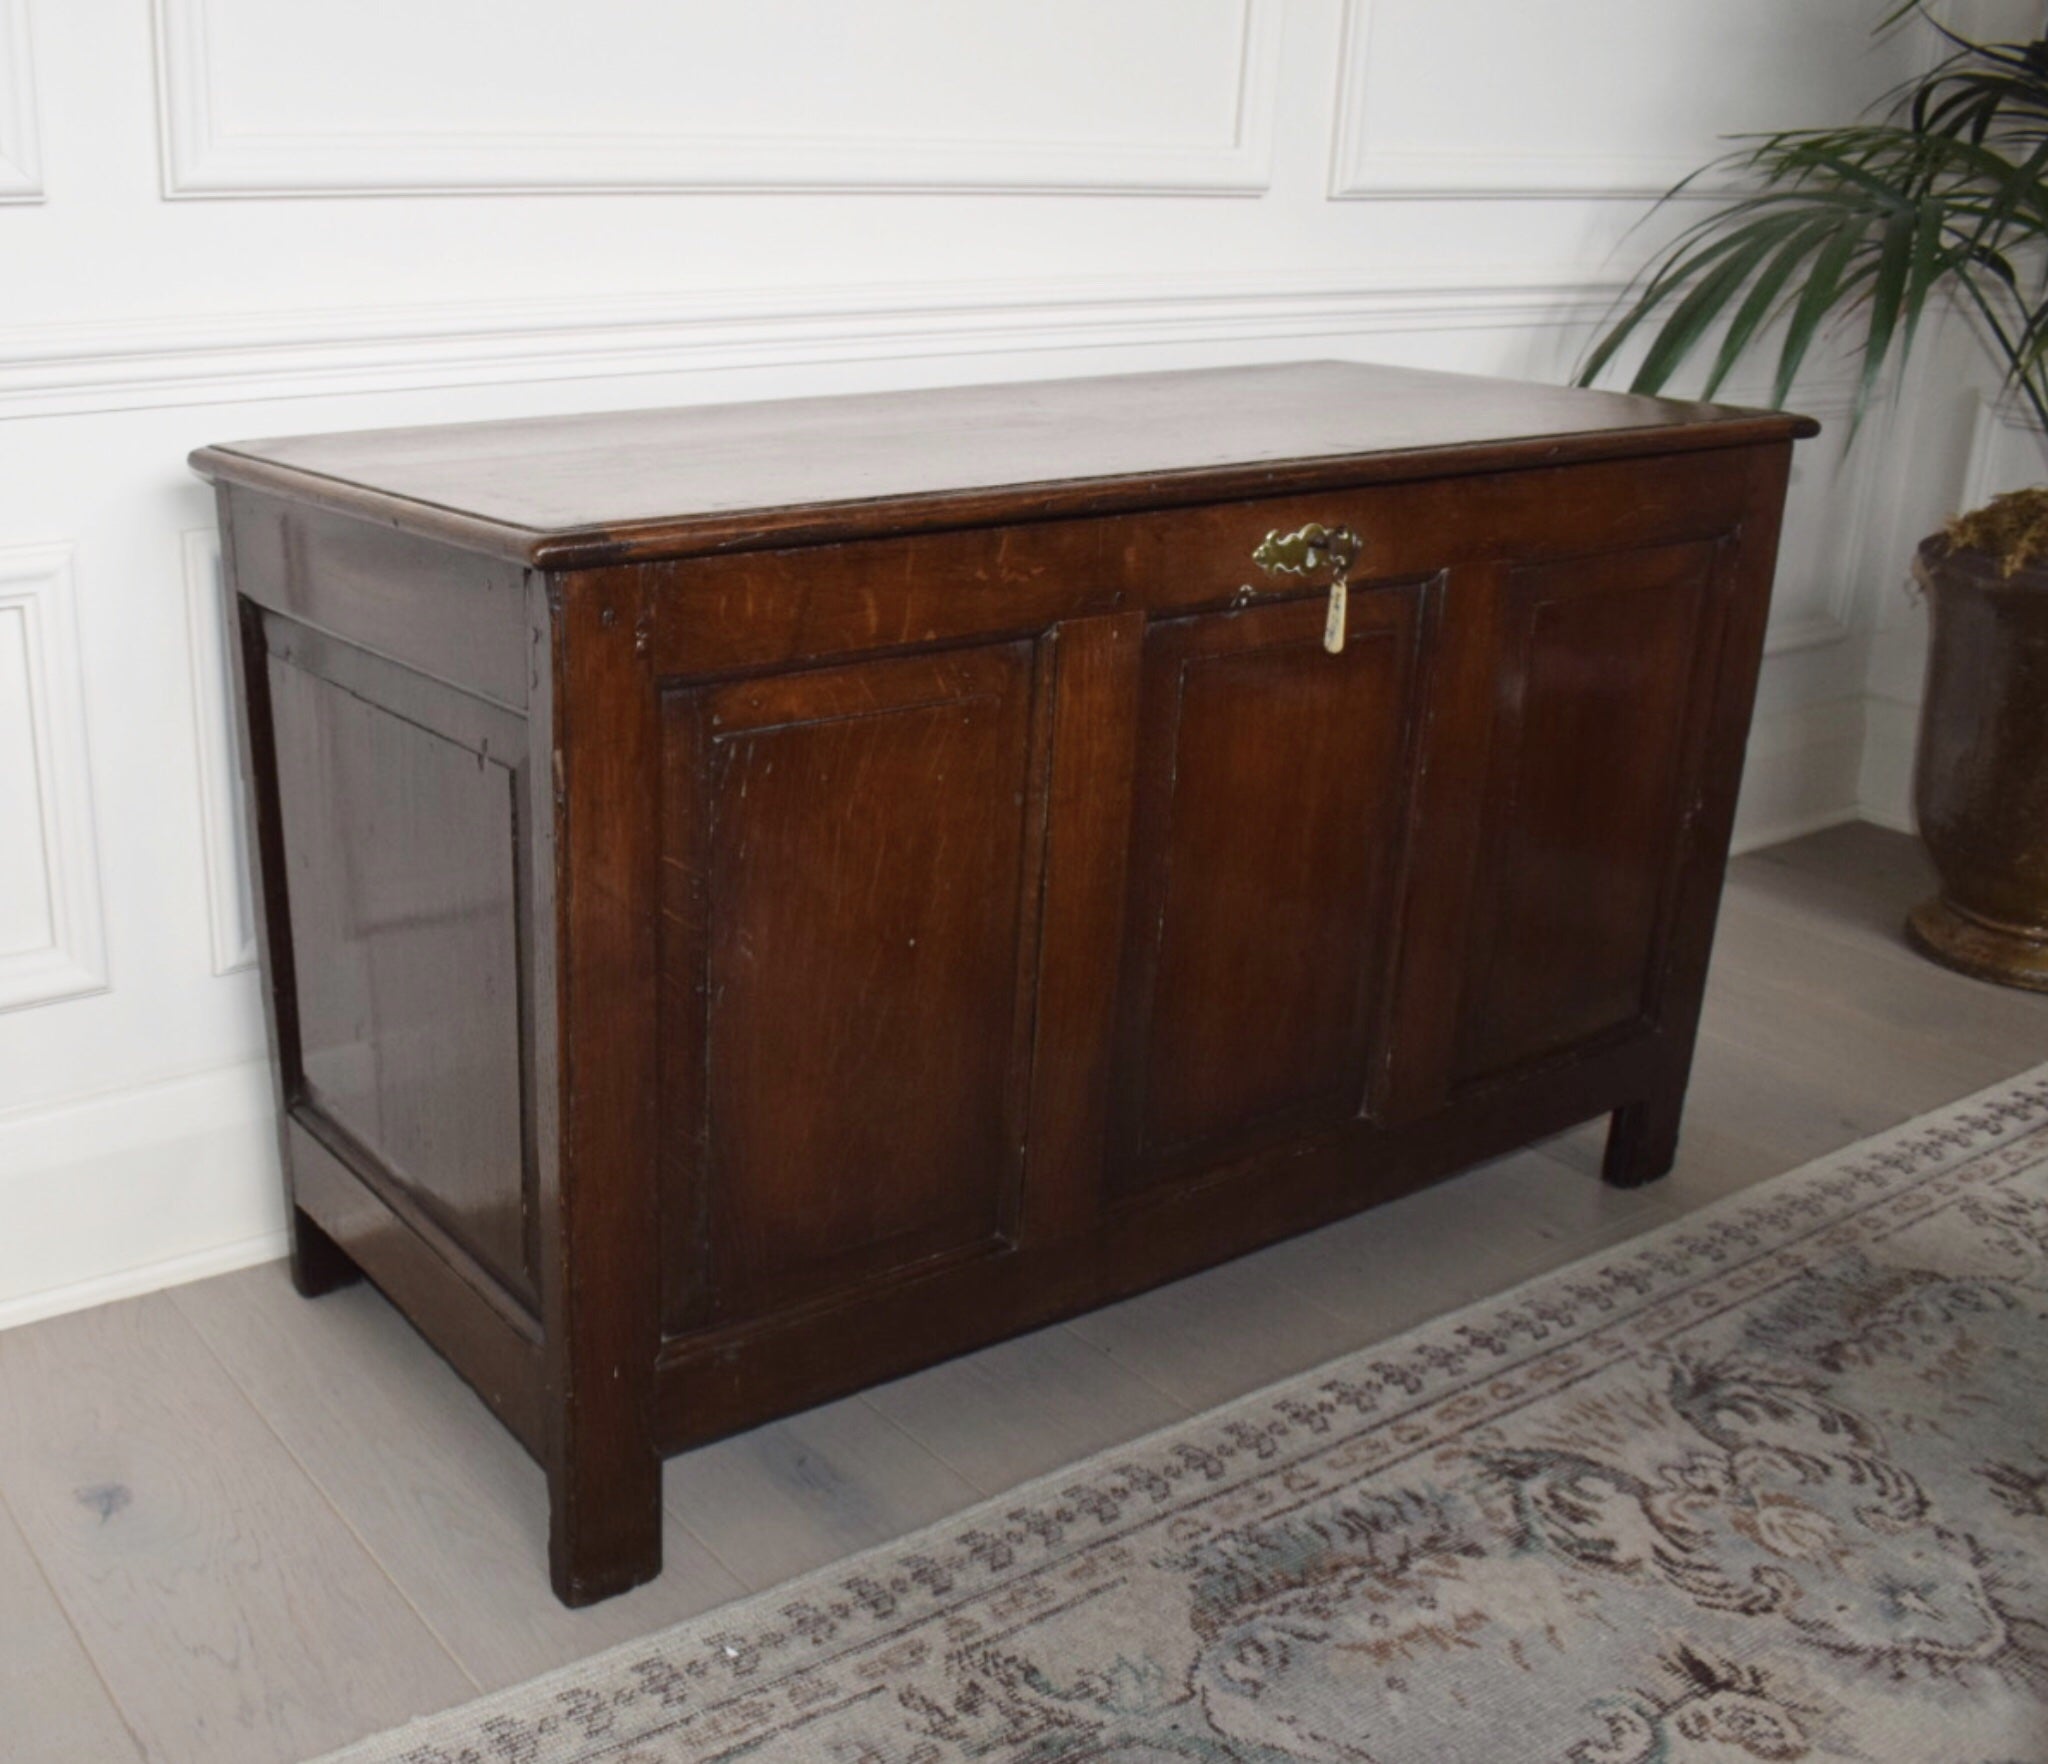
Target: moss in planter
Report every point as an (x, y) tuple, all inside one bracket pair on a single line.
[(2012, 529)]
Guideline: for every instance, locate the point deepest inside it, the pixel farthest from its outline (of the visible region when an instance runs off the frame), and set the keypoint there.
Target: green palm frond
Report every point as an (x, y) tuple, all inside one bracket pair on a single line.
[(1865, 224)]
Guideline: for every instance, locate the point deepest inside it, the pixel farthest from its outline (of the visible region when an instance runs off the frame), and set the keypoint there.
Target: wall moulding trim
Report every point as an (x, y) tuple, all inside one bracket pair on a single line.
[(64, 370), (1800, 772), (1436, 175), (230, 922), (1834, 402), (36, 589), (2002, 424), (21, 157), (1362, 169), (1890, 752), (205, 155)]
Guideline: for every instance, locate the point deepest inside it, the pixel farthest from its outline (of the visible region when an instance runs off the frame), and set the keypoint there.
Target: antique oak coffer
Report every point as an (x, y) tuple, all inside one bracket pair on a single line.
[(759, 898)]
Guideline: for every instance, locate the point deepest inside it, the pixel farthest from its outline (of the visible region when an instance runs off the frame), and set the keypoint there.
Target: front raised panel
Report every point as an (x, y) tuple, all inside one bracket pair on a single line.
[(1273, 792), (847, 921), (1599, 689)]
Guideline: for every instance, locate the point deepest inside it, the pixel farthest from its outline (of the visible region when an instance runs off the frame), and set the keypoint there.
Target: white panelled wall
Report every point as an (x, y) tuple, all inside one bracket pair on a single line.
[(248, 217)]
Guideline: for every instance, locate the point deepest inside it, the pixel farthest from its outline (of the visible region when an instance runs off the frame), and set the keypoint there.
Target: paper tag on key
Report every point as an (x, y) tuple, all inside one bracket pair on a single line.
[(1334, 620)]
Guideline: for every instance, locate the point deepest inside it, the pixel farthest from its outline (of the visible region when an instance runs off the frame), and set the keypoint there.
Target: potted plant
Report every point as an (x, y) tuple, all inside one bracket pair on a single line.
[(1939, 198)]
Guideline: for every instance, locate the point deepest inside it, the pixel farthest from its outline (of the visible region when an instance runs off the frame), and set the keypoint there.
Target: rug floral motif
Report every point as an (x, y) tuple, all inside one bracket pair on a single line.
[(1770, 1484)]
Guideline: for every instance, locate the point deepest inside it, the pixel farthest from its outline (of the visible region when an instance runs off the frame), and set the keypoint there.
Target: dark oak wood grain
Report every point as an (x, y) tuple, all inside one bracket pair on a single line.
[(756, 900), (864, 827), (572, 491), (1270, 816), (409, 1023), (1096, 676), (1585, 797), (1644, 1138), (600, 1261)]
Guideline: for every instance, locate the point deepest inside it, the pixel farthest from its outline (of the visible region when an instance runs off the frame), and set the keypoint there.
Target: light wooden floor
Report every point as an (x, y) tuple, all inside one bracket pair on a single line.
[(238, 1527)]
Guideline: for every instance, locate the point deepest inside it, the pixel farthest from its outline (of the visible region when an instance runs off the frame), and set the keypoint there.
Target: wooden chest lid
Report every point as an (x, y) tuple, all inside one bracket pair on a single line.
[(578, 491)]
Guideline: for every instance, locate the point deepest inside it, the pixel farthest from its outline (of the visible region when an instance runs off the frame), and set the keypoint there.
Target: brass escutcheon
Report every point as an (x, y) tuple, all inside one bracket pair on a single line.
[(1308, 549)]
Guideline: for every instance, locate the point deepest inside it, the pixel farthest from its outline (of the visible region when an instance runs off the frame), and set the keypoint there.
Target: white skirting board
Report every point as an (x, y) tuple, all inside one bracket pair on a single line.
[(131, 1190), (1801, 773), (1885, 793)]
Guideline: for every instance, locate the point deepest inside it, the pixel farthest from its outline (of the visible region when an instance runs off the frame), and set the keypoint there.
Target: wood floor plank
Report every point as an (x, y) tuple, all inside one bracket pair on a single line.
[(1219, 1334), (1388, 1269), (1858, 880), (1530, 1194), (795, 1494), (53, 1707), (1394, 1266), (229, 1610), (1024, 1407), (1751, 1112), (1876, 1075), (439, 1492), (1900, 1000)]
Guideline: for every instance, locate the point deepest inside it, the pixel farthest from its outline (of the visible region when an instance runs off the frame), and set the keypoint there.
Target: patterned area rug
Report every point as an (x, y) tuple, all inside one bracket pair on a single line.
[(1771, 1483)]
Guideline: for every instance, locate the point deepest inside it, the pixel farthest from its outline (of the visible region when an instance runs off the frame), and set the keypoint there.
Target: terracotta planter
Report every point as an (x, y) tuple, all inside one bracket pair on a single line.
[(1982, 781)]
